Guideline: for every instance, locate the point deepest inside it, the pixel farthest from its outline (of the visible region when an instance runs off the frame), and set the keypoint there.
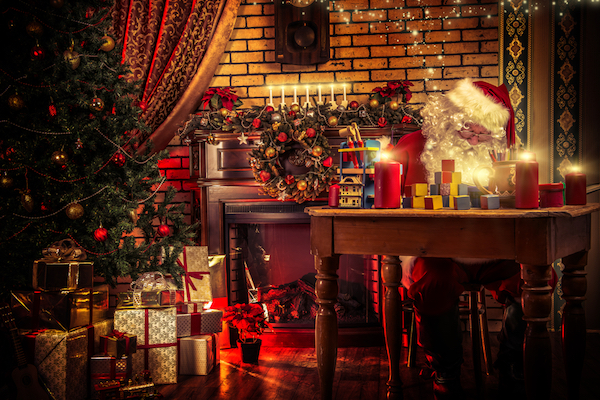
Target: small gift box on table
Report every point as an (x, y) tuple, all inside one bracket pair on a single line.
[(156, 331), (196, 281), (151, 289), (118, 344), (64, 310), (104, 368), (61, 359), (63, 268), (199, 354), (208, 321), (192, 307)]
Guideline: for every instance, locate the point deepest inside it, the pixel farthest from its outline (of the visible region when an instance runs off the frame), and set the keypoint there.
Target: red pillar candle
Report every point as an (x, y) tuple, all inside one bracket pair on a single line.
[(387, 184), (526, 182), (575, 189), (334, 196)]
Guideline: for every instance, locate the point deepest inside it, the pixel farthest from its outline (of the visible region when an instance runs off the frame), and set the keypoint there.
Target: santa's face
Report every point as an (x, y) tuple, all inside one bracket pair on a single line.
[(474, 134)]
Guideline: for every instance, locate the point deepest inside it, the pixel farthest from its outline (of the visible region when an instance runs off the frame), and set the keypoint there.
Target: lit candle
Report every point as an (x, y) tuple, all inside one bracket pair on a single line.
[(295, 97), (387, 184), (575, 188), (345, 92), (334, 196), (320, 99), (332, 95), (307, 102), (282, 96), (270, 95), (526, 182)]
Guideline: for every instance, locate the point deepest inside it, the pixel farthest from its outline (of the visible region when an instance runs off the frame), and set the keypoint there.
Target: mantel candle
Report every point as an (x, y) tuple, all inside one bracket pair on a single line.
[(334, 196), (295, 97), (345, 93), (526, 182), (387, 184), (320, 97), (271, 96), (282, 96), (575, 189)]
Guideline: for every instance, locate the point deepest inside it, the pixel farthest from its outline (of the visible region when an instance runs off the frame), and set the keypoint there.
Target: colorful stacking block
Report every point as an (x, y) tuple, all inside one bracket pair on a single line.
[(462, 202), (463, 189), (449, 189), (446, 201), (490, 202), (407, 202), (408, 191), (418, 202), (456, 177), (434, 189), (448, 165), (419, 189), (433, 202)]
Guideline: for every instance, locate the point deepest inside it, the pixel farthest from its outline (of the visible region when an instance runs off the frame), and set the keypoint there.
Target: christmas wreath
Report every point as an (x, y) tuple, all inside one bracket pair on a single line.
[(293, 159)]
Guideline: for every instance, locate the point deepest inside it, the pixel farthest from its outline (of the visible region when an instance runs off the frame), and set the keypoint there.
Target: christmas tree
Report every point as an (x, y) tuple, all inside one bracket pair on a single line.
[(68, 164)]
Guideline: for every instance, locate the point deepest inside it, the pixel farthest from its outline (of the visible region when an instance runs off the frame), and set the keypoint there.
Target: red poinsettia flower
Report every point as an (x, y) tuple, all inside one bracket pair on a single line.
[(217, 98), (406, 119), (289, 179), (249, 320), (382, 122)]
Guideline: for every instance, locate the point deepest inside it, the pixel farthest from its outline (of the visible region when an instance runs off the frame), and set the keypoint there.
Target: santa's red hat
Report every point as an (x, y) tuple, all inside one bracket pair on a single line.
[(487, 105)]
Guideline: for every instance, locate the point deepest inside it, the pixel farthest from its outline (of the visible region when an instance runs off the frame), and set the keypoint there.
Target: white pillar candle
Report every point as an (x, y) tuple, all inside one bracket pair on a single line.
[(282, 96), (320, 99), (270, 95), (345, 101), (344, 92), (307, 102), (295, 97), (332, 95)]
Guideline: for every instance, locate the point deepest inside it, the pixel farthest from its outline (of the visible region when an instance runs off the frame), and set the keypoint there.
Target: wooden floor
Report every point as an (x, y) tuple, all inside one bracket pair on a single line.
[(362, 373)]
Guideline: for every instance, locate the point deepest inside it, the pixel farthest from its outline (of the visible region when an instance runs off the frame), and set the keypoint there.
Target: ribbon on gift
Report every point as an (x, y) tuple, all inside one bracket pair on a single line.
[(147, 346), (63, 250), (150, 281), (190, 274), (116, 335), (195, 324)]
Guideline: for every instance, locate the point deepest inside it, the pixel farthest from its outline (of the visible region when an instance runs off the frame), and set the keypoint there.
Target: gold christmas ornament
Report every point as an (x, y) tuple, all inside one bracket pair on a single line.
[(97, 104), (224, 112), (6, 181), (332, 121), (15, 102), (270, 152), (302, 184), (295, 107), (72, 58), (59, 157), (317, 151), (27, 200), (374, 103), (74, 211), (394, 105), (35, 29), (133, 216), (108, 43)]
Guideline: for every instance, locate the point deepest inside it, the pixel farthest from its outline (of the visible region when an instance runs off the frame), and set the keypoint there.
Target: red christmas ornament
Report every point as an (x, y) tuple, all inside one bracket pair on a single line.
[(354, 104), (256, 123), (406, 119), (143, 105), (328, 162), (269, 109), (310, 132), (382, 122), (163, 230), (282, 137), (289, 179), (37, 53), (292, 114), (119, 159), (52, 110), (265, 176), (101, 234)]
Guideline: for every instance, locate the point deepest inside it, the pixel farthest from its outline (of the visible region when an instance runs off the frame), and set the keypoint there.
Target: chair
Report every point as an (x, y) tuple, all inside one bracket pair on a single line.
[(476, 311)]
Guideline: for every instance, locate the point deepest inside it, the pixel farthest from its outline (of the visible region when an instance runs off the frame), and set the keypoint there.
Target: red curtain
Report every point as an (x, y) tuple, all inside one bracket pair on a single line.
[(173, 48)]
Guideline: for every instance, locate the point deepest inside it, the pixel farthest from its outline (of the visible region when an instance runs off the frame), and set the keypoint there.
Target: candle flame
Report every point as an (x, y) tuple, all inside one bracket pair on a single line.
[(526, 156)]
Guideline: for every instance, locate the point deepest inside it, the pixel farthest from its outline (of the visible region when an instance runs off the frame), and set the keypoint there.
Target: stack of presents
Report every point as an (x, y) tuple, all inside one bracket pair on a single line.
[(156, 333), (447, 191)]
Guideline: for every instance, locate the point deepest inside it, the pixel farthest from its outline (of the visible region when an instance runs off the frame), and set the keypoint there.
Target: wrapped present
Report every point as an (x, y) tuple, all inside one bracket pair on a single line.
[(192, 306), (208, 321), (105, 368), (63, 268), (151, 289), (64, 311), (198, 355), (218, 275), (102, 328), (156, 331), (61, 359), (118, 344), (196, 281)]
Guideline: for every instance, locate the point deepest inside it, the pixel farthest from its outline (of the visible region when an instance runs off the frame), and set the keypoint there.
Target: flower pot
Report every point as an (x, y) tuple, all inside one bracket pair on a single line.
[(250, 351)]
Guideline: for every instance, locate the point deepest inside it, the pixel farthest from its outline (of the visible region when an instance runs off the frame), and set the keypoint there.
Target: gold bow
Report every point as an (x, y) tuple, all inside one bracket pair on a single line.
[(63, 250)]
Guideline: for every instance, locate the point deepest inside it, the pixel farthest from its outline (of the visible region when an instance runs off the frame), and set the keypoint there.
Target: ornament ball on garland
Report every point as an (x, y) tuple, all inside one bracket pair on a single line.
[(59, 157), (164, 230), (108, 43), (74, 211), (101, 234), (119, 159)]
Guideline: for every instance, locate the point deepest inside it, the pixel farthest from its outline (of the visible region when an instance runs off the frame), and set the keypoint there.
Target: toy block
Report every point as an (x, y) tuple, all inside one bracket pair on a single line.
[(419, 189), (408, 190), (433, 202), (437, 177), (446, 201), (456, 177), (447, 177), (418, 202), (449, 189), (462, 202), (450, 201), (434, 189), (463, 189), (475, 195), (407, 202), (490, 202), (448, 165)]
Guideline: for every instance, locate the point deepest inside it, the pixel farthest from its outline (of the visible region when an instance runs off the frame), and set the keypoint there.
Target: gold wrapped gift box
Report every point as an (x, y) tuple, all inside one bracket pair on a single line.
[(149, 299), (60, 310), (57, 276)]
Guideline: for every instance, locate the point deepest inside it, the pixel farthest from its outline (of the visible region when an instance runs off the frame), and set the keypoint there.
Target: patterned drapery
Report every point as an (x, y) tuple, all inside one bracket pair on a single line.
[(173, 48)]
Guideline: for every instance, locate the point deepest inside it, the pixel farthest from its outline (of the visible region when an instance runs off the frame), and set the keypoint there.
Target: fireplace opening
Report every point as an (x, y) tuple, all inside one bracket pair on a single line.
[(270, 263)]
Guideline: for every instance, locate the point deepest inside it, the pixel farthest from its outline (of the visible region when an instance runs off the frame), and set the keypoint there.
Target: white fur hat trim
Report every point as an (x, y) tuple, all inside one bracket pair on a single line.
[(483, 109)]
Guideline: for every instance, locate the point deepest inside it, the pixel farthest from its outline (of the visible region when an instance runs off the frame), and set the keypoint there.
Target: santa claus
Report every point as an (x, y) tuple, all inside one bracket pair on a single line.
[(463, 125)]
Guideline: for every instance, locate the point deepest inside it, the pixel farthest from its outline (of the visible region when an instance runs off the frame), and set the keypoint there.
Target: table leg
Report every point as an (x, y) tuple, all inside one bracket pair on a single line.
[(391, 273), (537, 353), (326, 329), (574, 285)]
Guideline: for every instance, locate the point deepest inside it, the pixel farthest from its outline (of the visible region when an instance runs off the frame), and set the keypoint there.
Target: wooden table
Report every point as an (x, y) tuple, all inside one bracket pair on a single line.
[(534, 238)]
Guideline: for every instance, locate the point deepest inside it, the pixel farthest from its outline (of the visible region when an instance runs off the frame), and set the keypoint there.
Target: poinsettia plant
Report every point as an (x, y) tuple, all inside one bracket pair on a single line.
[(398, 88), (218, 98), (248, 319)]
